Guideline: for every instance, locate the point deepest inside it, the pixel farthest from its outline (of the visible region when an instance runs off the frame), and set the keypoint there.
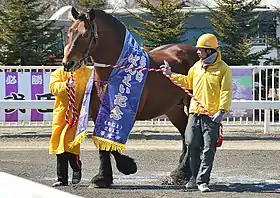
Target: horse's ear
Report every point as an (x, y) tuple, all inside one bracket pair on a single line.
[(74, 13), (91, 14)]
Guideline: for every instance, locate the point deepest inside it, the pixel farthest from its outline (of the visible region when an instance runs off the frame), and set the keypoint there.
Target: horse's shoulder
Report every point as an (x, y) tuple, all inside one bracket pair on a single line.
[(174, 49), (162, 47), (179, 56)]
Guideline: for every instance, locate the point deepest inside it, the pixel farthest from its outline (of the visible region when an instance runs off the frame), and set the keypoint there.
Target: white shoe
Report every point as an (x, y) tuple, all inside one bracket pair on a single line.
[(59, 183), (191, 184), (203, 187)]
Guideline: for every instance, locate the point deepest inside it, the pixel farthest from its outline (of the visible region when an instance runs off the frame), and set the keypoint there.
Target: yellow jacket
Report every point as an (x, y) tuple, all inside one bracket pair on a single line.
[(212, 87), (61, 135)]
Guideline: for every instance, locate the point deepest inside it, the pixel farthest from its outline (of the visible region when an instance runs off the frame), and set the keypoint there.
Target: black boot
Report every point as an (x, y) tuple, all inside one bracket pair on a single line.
[(104, 178), (124, 163), (76, 165), (62, 170), (77, 176)]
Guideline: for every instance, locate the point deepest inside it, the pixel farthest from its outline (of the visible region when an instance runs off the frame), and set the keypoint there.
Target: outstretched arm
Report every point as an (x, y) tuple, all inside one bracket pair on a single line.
[(184, 80)]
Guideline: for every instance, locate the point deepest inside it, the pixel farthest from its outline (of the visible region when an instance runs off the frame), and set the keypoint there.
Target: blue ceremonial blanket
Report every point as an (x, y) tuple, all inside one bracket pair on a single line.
[(121, 99)]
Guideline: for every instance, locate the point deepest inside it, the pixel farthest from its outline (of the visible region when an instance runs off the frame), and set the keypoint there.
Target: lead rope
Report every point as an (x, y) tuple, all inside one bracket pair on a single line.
[(220, 139), (71, 104)]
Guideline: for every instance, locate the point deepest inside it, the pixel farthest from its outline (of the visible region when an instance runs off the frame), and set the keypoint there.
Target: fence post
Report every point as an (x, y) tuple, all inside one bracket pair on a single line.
[(266, 121)]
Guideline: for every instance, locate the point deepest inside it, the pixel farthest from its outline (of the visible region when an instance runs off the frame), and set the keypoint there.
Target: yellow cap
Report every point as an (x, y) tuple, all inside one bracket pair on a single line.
[(207, 41)]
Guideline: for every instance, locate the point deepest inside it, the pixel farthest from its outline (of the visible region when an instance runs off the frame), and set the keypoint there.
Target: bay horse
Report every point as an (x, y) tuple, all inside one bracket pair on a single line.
[(100, 35)]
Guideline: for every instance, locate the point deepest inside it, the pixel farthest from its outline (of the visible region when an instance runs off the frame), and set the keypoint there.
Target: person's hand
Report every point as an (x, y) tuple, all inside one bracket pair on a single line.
[(166, 69), (71, 82), (218, 117)]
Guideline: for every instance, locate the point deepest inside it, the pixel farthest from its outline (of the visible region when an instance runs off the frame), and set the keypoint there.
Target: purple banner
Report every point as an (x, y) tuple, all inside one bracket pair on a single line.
[(242, 84), (37, 87), (11, 81), (242, 72), (242, 89)]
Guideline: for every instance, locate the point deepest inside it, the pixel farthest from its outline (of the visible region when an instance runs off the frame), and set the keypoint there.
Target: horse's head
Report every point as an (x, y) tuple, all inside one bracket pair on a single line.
[(82, 39), (93, 34)]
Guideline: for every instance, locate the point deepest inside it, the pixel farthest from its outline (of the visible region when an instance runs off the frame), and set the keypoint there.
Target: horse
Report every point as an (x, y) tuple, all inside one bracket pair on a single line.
[(100, 35)]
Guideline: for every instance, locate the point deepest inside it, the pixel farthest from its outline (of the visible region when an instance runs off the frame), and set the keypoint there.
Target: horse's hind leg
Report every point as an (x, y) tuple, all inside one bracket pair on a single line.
[(104, 178), (182, 173), (124, 163)]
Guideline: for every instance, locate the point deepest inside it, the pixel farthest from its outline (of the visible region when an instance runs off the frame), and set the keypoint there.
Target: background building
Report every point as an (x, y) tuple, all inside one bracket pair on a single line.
[(196, 25)]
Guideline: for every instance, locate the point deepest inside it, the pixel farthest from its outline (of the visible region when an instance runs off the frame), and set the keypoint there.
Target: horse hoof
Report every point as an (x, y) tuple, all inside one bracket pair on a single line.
[(99, 186), (126, 165), (99, 181), (176, 181)]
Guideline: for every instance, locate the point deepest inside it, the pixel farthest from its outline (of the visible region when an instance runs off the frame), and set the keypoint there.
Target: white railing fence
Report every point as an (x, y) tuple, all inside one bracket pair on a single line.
[(267, 106), (265, 103)]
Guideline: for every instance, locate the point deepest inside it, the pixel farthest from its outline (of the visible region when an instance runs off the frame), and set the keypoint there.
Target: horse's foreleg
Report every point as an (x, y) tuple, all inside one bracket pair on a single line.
[(182, 173), (104, 178), (124, 163)]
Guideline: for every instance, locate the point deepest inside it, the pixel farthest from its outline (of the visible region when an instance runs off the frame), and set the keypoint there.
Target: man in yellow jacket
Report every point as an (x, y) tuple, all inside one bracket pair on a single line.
[(62, 134), (211, 81)]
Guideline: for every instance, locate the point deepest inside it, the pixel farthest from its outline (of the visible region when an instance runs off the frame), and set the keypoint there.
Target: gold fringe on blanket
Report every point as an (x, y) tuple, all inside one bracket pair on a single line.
[(78, 140), (107, 145)]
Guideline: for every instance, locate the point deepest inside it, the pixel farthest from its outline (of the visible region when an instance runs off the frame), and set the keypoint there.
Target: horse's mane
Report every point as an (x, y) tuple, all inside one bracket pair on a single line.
[(109, 18)]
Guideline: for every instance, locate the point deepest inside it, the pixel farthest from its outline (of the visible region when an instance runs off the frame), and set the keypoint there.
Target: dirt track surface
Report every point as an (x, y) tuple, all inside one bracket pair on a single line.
[(241, 169)]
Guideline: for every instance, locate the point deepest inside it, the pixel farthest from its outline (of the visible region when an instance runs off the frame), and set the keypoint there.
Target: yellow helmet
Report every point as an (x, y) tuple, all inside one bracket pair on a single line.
[(207, 41)]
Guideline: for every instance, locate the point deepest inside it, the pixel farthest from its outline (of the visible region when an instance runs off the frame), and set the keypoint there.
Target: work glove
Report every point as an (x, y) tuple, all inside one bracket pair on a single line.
[(71, 82), (166, 69), (100, 65), (218, 117)]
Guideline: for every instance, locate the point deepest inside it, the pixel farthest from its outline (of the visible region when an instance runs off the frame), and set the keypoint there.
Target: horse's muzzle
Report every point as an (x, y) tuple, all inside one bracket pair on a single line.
[(70, 66)]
